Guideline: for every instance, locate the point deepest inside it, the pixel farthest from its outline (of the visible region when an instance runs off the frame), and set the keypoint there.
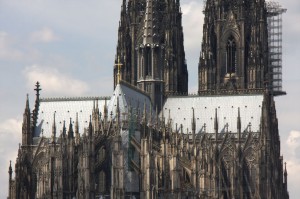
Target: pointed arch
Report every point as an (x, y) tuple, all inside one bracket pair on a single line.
[(231, 55), (231, 60)]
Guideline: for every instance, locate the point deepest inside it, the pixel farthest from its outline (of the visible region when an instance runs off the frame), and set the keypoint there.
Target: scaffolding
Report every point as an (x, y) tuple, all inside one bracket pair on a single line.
[(275, 12)]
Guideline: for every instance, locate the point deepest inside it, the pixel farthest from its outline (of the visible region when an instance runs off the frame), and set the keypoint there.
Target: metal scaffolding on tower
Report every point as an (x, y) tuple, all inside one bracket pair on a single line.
[(275, 11)]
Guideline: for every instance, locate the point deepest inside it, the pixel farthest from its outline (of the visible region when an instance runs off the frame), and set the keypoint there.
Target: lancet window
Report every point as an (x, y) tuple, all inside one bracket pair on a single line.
[(231, 55)]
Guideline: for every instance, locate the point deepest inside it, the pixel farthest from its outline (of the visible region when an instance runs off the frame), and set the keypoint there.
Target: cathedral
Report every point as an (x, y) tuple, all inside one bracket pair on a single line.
[(151, 139)]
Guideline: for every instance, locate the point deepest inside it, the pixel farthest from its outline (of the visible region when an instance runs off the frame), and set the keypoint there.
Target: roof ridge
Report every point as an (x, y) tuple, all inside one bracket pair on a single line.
[(57, 99)]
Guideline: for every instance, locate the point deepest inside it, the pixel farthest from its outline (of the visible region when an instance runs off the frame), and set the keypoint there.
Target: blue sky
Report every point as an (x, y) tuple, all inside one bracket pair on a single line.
[(69, 46)]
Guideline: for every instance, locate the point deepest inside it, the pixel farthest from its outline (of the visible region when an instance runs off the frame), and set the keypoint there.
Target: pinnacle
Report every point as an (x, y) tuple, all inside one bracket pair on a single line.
[(27, 104)]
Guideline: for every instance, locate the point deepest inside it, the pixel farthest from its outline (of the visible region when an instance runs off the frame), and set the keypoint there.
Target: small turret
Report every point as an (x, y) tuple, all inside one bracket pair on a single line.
[(90, 128), (239, 126), (285, 175), (77, 135), (216, 124), (26, 127), (10, 171), (105, 112), (53, 129), (35, 112), (118, 112), (70, 132), (64, 131), (194, 127)]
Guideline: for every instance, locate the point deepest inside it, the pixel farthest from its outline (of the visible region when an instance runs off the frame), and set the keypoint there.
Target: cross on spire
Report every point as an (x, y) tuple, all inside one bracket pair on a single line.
[(38, 89), (119, 65)]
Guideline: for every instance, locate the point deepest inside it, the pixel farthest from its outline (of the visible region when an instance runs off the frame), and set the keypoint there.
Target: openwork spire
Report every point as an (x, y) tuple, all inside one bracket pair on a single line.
[(149, 26)]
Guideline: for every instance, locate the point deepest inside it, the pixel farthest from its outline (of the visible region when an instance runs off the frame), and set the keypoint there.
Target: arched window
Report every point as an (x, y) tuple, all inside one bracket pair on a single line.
[(148, 63), (231, 55)]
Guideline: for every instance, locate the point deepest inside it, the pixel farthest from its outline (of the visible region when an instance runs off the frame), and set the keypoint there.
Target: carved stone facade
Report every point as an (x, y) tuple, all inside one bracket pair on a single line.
[(235, 46), (150, 46), (147, 142)]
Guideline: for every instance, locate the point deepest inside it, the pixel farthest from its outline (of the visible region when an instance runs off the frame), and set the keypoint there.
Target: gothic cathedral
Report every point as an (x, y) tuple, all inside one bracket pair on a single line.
[(151, 139)]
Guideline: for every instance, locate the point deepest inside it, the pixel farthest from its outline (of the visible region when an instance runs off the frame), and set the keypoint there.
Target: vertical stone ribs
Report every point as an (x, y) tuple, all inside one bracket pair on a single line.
[(155, 24)]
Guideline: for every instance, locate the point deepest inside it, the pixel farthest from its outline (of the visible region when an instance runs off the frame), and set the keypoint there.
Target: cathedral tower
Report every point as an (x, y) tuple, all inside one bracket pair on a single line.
[(235, 46), (150, 48), (221, 144)]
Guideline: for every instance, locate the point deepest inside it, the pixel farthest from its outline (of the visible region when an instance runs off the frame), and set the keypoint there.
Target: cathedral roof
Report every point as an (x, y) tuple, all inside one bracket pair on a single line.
[(64, 109), (180, 110), (129, 96)]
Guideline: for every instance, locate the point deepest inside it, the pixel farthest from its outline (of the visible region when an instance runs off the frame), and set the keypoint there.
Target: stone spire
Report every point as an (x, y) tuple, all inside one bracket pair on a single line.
[(239, 125), (26, 126), (53, 129), (105, 112), (77, 135), (90, 128), (10, 171), (70, 132), (194, 127), (64, 131), (36, 105), (118, 114), (216, 124), (285, 175), (149, 25)]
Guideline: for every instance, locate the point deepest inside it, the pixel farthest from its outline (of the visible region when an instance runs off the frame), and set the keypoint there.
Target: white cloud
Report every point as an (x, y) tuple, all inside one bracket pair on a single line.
[(10, 136), (54, 82), (292, 158), (45, 35), (7, 52), (192, 25), (293, 141), (192, 22)]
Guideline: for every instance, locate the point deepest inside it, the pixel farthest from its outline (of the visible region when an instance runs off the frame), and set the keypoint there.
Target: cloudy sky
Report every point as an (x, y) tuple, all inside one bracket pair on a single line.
[(69, 46)]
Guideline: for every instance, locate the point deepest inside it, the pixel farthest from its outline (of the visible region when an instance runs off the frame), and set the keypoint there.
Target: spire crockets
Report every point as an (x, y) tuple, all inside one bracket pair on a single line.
[(36, 106), (150, 28)]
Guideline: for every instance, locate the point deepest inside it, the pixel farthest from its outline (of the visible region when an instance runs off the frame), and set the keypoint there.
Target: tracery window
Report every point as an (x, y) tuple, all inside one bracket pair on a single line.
[(231, 55)]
